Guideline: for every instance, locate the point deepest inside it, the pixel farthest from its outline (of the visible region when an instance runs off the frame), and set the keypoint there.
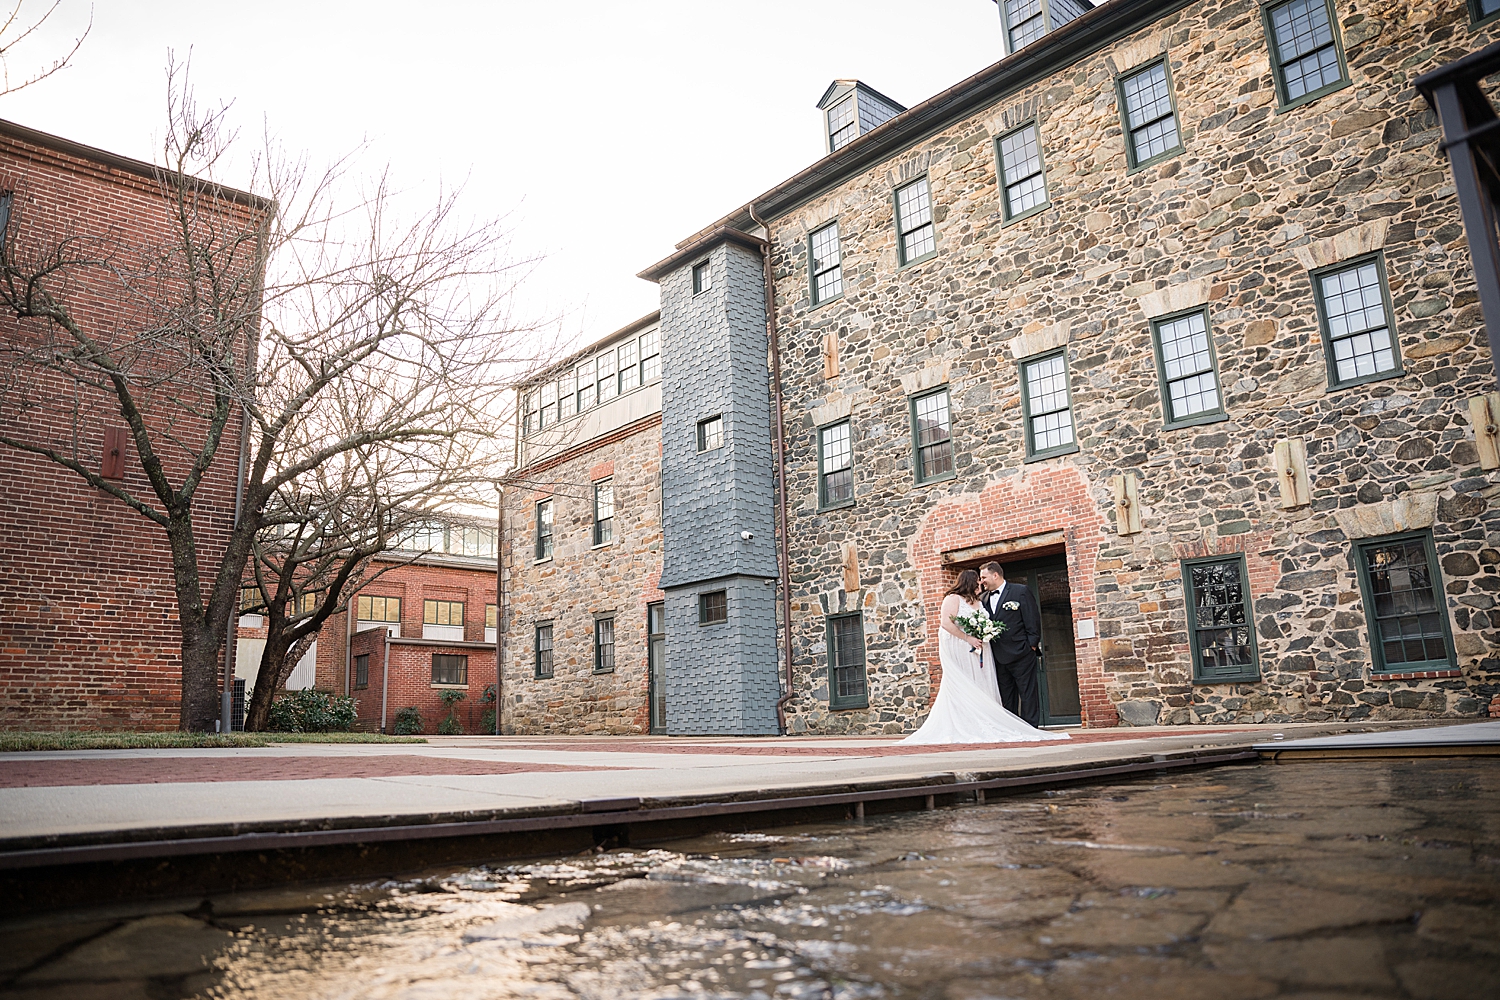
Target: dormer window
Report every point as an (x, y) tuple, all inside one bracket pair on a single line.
[(850, 109), (1025, 21)]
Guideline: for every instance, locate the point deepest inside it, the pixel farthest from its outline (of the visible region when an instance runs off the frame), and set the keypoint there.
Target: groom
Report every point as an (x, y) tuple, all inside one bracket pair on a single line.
[(1017, 647)]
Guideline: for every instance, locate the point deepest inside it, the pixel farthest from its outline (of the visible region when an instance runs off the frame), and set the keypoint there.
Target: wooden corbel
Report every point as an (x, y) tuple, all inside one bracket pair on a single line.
[(1291, 473), (1484, 414), (1127, 506)]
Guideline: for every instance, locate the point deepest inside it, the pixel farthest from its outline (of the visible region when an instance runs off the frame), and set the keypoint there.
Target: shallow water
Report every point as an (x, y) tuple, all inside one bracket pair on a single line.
[(1319, 879)]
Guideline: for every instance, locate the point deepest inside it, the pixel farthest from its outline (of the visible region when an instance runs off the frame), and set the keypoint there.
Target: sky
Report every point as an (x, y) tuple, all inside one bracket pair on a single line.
[(603, 133)]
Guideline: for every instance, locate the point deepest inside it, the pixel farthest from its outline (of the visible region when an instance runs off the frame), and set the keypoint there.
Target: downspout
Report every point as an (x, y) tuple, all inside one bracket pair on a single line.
[(499, 601), (385, 678), (780, 430), (349, 611), (226, 702)]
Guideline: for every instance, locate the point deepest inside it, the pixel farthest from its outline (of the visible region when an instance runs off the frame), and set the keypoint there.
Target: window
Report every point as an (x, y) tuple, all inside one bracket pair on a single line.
[(604, 645), (468, 540), (548, 415), (424, 536), (1479, 10), (605, 365), (528, 409), (544, 530), (630, 372), (491, 615), (1150, 120), (378, 609), (1185, 364), (650, 357), (450, 668), (543, 650), (1403, 603), (1354, 308), (443, 613), (585, 374), (842, 128), (710, 433), (932, 436), (1221, 624), (6, 200), (1025, 22), (702, 280), (567, 397), (847, 687), (604, 512), (1048, 405), (835, 466), (914, 222), (826, 264), (1021, 177), (250, 598), (362, 670), (713, 608), (1304, 50), (303, 604)]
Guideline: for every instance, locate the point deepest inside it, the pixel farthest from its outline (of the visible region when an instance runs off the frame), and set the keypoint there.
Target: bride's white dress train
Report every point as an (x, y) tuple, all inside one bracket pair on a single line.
[(968, 709)]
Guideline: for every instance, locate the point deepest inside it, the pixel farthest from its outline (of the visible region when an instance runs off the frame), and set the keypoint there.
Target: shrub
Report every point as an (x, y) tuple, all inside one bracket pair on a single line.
[(451, 726), (408, 721), (311, 712)]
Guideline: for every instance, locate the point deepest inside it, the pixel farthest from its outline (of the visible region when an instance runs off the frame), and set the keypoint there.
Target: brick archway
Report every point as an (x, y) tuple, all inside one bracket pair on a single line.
[(1043, 509)]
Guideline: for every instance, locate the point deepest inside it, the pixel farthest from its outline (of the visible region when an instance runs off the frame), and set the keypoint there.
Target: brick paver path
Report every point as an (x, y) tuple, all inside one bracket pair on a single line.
[(173, 770)]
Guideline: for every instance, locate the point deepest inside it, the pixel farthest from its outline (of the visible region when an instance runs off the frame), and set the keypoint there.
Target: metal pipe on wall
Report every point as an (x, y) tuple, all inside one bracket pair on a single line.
[(499, 599)]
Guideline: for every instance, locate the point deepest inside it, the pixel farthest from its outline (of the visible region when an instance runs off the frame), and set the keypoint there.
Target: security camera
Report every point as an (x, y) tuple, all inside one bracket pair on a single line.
[(747, 535)]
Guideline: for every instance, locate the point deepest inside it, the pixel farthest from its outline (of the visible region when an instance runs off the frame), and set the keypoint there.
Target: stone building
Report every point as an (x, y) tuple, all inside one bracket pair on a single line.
[(1170, 311)]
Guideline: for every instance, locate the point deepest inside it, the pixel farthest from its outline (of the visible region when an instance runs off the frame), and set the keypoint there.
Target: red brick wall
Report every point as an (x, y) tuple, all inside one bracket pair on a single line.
[(88, 623), (411, 684)]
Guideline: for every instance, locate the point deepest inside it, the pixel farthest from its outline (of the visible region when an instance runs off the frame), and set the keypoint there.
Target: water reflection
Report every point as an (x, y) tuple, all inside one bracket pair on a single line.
[(1376, 879)]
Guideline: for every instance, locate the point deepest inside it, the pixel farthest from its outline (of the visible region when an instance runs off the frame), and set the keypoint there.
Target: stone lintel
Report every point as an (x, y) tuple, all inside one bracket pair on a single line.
[(1351, 243), (1175, 298), (1408, 512), (1128, 57), (1028, 345), (930, 377), (1046, 539), (834, 409)]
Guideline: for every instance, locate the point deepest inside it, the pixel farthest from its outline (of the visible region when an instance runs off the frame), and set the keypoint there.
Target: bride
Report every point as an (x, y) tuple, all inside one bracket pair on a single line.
[(967, 708)]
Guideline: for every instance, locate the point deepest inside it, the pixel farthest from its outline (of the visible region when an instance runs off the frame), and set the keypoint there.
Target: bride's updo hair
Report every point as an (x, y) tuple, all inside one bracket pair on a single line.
[(967, 586)]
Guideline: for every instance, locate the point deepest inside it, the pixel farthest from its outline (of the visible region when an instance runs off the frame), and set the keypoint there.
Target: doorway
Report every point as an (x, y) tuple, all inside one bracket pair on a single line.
[(656, 654), (1047, 579)]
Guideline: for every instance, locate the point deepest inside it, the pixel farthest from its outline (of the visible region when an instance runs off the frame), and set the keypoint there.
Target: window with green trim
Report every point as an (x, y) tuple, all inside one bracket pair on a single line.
[(1304, 50), (650, 357), (848, 686), (702, 278), (711, 433), (1404, 603), (544, 515), (1048, 405), (608, 385), (585, 373), (1150, 118), (630, 370), (1023, 182), (1483, 10), (1185, 365), (386, 610), (542, 651), (604, 511), (835, 465), (916, 236), (362, 670), (932, 435), (826, 264), (1354, 309), (443, 613), (1221, 622), (604, 645)]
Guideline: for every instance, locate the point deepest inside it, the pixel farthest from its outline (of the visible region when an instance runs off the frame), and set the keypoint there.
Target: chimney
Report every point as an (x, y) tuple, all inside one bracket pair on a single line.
[(850, 109)]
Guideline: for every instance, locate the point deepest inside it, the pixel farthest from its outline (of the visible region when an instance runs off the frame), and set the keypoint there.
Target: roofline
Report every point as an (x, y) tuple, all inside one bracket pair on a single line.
[(857, 84), (114, 160), (701, 245), (1055, 51), (635, 326)]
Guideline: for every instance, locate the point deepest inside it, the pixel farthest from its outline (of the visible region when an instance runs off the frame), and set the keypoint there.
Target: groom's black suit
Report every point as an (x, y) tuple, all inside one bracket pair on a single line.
[(1015, 649)]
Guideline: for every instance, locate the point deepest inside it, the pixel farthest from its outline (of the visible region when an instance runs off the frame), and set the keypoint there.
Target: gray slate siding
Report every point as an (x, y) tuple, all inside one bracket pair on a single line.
[(721, 679)]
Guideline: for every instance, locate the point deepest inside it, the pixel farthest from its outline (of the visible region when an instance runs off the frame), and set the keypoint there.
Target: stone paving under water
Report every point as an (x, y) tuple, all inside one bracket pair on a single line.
[(1312, 880)]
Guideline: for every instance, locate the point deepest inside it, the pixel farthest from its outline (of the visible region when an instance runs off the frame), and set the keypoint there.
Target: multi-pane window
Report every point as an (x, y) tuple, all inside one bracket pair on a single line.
[(1221, 627), (1048, 404), (1358, 329), (450, 668), (650, 357), (847, 687), (249, 598), (1150, 121), (608, 387), (1404, 603), (468, 540), (835, 465), (362, 670), (713, 608), (1304, 49), (1021, 176), (827, 264), (932, 435), (630, 371), (702, 278), (443, 613), (424, 536), (567, 397), (842, 128), (1185, 359), (548, 415), (604, 645), (543, 651), (378, 609), (544, 515), (604, 511), (914, 221), (1480, 10), (491, 615), (710, 433), (586, 374), (1025, 22)]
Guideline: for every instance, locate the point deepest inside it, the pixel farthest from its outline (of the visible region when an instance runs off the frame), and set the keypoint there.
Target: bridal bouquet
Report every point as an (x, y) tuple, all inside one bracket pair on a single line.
[(979, 625)]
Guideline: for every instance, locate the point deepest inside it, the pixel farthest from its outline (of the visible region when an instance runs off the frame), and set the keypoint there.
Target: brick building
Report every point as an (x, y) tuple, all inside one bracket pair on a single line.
[(1169, 310), (88, 615)]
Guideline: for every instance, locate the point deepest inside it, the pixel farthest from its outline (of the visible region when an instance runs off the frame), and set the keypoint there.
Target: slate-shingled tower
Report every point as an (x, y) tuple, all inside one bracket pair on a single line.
[(719, 547)]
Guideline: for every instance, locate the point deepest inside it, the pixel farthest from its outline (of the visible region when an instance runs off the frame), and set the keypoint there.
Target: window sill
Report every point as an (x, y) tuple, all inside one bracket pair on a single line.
[(602, 545), (848, 706), (1306, 99), (608, 670), (450, 687), (841, 505), (1196, 421), (1415, 675), (1353, 383), (935, 480), (915, 261), (712, 624), (1158, 158), (1034, 210), (1243, 679), (542, 677), (823, 302), (1042, 456)]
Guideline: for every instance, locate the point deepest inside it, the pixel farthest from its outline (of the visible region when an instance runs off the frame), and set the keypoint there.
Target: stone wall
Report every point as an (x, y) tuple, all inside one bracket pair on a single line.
[(1258, 197), (580, 582)]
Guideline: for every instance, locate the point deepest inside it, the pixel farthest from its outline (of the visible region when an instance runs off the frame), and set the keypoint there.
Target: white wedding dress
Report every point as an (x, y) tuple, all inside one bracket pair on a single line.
[(967, 708)]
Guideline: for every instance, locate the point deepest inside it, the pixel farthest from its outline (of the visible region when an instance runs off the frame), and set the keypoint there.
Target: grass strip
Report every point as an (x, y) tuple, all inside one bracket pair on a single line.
[(102, 740)]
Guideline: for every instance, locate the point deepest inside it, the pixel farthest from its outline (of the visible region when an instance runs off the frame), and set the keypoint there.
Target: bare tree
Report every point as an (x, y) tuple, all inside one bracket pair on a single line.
[(324, 327), (15, 30)]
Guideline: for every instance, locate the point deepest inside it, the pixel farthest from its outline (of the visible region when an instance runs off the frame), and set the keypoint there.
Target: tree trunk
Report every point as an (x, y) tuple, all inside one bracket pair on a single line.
[(200, 678), (270, 680)]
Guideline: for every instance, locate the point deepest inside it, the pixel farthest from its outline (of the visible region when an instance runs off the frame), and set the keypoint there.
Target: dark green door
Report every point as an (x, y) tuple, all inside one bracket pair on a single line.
[(1047, 580)]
